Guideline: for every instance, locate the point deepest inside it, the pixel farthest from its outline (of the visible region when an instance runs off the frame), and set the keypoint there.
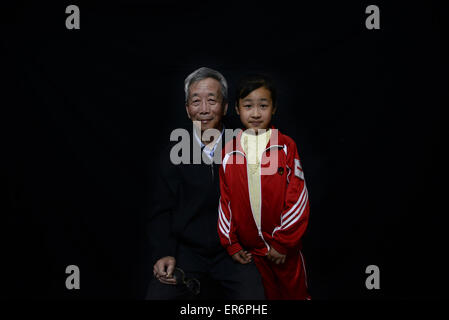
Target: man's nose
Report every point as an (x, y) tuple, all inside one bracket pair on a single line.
[(204, 107)]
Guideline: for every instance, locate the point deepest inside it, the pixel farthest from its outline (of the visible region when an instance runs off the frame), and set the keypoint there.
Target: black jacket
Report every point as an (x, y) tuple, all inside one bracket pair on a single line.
[(185, 205)]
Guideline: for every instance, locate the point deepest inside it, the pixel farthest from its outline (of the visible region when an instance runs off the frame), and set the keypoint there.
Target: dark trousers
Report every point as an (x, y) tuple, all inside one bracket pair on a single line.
[(220, 277)]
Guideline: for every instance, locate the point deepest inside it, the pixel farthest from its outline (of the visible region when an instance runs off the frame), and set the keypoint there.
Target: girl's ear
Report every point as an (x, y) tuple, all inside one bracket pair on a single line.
[(237, 108), (274, 111)]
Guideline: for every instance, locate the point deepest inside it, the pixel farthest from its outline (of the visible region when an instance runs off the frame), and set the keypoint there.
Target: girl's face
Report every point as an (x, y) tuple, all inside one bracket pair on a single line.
[(256, 109)]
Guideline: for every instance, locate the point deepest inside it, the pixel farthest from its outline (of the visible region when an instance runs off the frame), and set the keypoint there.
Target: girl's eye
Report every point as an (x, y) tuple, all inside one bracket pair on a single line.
[(263, 106), (247, 106)]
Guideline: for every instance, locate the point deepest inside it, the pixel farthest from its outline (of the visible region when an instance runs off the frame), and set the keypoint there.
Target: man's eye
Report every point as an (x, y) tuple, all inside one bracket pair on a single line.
[(212, 101), (196, 102)]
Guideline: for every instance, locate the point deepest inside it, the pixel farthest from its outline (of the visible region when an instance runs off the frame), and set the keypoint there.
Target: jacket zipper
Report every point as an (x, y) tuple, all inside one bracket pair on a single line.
[(259, 229), (260, 235)]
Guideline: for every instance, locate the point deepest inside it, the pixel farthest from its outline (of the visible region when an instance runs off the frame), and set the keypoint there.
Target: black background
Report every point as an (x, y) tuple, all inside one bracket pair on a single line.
[(85, 112)]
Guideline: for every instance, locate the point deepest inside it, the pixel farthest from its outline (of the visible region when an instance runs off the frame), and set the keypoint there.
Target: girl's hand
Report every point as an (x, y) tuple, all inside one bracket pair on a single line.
[(275, 256)]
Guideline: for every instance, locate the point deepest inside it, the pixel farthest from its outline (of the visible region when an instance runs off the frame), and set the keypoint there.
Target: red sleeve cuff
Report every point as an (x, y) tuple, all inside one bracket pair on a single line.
[(234, 248), (278, 247)]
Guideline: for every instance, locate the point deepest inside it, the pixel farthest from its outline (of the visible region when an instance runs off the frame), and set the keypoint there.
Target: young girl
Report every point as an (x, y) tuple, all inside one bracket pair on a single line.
[(264, 207)]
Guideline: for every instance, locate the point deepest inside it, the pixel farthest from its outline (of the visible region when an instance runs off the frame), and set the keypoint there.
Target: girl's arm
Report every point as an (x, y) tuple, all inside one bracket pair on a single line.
[(295, 215), (226, 228)]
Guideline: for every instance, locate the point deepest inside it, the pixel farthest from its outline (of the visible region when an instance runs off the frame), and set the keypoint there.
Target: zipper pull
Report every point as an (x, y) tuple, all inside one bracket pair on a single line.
[(260, 235)]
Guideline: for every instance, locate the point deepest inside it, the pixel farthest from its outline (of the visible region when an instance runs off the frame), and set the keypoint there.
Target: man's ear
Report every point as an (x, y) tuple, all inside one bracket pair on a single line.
[(187, 110), (237, 108), (225, 109)]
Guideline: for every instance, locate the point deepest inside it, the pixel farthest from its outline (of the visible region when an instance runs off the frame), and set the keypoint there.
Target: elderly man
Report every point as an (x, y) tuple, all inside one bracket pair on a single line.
[(186, 249)]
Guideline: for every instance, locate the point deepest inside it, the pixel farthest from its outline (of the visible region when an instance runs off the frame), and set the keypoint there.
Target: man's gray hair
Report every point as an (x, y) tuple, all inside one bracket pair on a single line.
[(203, 73)]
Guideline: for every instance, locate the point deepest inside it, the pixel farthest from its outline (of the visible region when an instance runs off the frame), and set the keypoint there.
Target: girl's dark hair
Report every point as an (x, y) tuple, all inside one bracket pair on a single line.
[(252, 82)]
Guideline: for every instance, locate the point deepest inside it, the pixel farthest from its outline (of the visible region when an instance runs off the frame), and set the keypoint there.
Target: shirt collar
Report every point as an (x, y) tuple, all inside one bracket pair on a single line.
[(209, 152)]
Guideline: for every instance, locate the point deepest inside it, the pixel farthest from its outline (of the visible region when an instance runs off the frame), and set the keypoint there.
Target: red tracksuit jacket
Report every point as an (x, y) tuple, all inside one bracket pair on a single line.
[(284, 199)]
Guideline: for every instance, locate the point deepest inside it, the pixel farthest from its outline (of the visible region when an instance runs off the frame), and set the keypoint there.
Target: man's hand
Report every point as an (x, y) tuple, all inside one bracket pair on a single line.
[(275, 256), (163, 270), (242, 256)]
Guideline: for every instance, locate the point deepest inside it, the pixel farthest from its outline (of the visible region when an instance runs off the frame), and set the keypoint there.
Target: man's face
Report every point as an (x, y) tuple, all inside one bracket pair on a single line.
[(205, 104), (256, 109)]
